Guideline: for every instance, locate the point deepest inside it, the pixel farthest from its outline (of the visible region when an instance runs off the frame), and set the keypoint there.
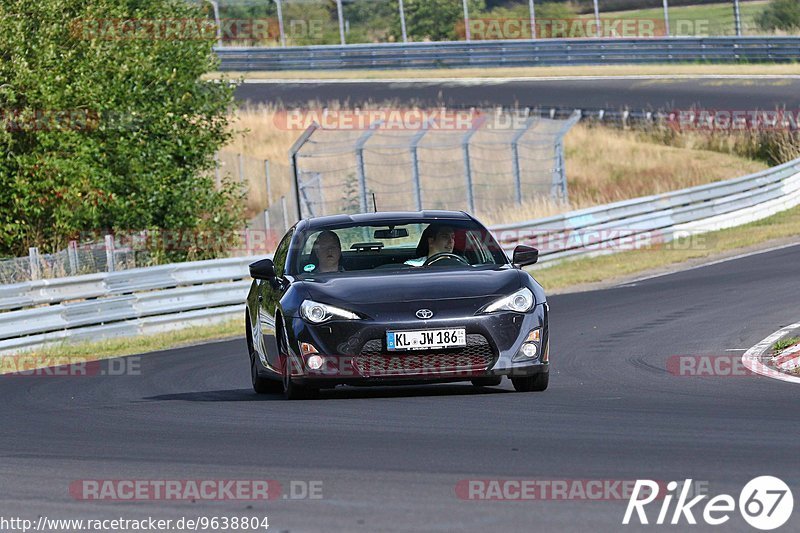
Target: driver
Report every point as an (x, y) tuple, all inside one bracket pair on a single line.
[(436, 239)]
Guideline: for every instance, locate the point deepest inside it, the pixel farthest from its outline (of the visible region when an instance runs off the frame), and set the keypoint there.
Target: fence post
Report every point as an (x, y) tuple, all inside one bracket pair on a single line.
[(466, 20), (269, 182), (109, 241), (737, 16), (558, 189), (362, 176), (515, 157), (72, 254), (415, 140), (532, 10), (280, 23), (241, 169), (403, 22), (597, 17), (666, 19), (33, 258), (285, 214), (298, 144), (341, 21), (468, 165), (216, 170)]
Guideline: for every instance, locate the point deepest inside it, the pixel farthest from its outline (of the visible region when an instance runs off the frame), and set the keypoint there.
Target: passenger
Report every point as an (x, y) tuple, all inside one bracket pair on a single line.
[(325, 253), (435, 239)]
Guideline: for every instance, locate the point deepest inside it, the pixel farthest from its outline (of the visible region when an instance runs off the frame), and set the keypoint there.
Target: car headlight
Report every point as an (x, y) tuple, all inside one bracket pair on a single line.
[(317, 313), (520, 301)]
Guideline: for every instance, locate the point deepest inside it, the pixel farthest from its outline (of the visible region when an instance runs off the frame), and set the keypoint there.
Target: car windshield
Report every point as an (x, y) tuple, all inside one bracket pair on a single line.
[(402, 246)]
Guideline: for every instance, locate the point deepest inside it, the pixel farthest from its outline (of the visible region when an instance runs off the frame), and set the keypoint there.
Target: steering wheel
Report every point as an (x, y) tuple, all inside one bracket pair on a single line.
[(444, 255)]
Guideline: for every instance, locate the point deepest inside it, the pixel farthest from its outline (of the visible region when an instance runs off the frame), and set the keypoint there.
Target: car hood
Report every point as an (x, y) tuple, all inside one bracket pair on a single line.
[(371, 292)]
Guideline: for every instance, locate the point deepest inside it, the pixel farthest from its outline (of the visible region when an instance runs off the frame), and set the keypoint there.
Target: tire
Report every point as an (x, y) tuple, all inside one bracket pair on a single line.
[(291, 390), (261, 385), (487, 382), (535, 383)]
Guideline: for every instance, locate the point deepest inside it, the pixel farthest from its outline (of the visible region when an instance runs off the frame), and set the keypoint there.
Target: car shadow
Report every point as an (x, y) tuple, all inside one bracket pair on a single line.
[(339, 393)]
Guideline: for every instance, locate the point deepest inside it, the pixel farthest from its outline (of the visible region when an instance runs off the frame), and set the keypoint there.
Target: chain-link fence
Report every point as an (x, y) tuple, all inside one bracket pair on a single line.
[(492, 161), (87, 258)]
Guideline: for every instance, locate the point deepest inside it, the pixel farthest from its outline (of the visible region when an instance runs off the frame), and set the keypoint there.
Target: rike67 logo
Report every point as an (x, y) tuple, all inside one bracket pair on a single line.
[(765, 503)]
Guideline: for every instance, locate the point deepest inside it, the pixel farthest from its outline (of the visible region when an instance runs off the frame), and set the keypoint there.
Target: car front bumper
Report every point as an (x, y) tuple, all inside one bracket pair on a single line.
[(354, 352)]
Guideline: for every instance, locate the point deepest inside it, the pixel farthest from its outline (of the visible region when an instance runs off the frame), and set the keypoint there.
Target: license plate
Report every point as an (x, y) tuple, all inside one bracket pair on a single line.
[(426, 339)]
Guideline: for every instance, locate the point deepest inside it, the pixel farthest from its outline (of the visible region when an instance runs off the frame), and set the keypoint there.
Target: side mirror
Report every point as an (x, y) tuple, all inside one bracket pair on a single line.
[(525, 255), (264, 269)]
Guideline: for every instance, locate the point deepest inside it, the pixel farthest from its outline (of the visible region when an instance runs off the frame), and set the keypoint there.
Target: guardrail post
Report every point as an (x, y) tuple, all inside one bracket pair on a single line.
[(72, 254), (515, 157), (33, 258), (362, 176), (109, 242)]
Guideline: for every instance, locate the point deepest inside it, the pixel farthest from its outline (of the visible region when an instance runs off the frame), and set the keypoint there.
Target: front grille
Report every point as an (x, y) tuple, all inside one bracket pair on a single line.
[(476, 356)]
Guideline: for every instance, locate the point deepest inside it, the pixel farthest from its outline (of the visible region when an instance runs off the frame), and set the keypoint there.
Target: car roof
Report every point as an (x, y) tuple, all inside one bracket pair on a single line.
[(382, 218)]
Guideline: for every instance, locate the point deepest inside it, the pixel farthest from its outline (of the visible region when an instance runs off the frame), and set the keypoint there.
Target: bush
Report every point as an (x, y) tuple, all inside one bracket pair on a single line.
[(106, 130), (780, 15)]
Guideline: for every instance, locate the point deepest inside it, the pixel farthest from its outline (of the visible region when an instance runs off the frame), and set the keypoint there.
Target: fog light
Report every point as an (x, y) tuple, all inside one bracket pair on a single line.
[(528, 349), (315, 362), (306, 348)]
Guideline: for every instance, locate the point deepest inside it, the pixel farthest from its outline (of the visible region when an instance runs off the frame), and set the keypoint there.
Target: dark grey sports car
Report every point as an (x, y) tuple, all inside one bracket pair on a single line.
[(394, 298)]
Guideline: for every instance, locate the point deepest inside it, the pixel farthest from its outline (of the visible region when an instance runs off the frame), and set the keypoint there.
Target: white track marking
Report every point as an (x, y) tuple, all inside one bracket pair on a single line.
[(752, 358), (498, 81)]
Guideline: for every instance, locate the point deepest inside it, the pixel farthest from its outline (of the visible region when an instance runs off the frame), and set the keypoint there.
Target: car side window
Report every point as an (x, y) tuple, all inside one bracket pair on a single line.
[(282, 252)]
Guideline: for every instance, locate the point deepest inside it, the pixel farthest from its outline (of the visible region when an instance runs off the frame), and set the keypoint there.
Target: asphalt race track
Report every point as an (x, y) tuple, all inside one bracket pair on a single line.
[(389, 459), (650, 94)]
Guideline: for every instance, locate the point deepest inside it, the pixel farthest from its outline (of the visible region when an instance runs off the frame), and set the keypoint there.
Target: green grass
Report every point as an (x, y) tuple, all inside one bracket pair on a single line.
[(708, 19), (785, 343), (625, 264)]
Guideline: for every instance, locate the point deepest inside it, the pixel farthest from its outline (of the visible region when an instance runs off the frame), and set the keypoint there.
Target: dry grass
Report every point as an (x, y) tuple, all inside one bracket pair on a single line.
[(603, 165), (529, 72)]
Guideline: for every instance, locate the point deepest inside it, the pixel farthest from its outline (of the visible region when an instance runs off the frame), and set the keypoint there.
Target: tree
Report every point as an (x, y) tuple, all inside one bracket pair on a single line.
[(435, 20), (780, 15), (109, 124)]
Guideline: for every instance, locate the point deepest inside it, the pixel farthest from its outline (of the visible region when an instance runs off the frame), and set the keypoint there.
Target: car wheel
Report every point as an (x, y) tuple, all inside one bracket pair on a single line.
[(291, 390), (261, 384), (487, 382), (533, 383)]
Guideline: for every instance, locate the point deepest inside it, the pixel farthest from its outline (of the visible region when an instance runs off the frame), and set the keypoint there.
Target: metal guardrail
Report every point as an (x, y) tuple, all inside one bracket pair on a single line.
[(122, 303), (542, 52), (163, 298)]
